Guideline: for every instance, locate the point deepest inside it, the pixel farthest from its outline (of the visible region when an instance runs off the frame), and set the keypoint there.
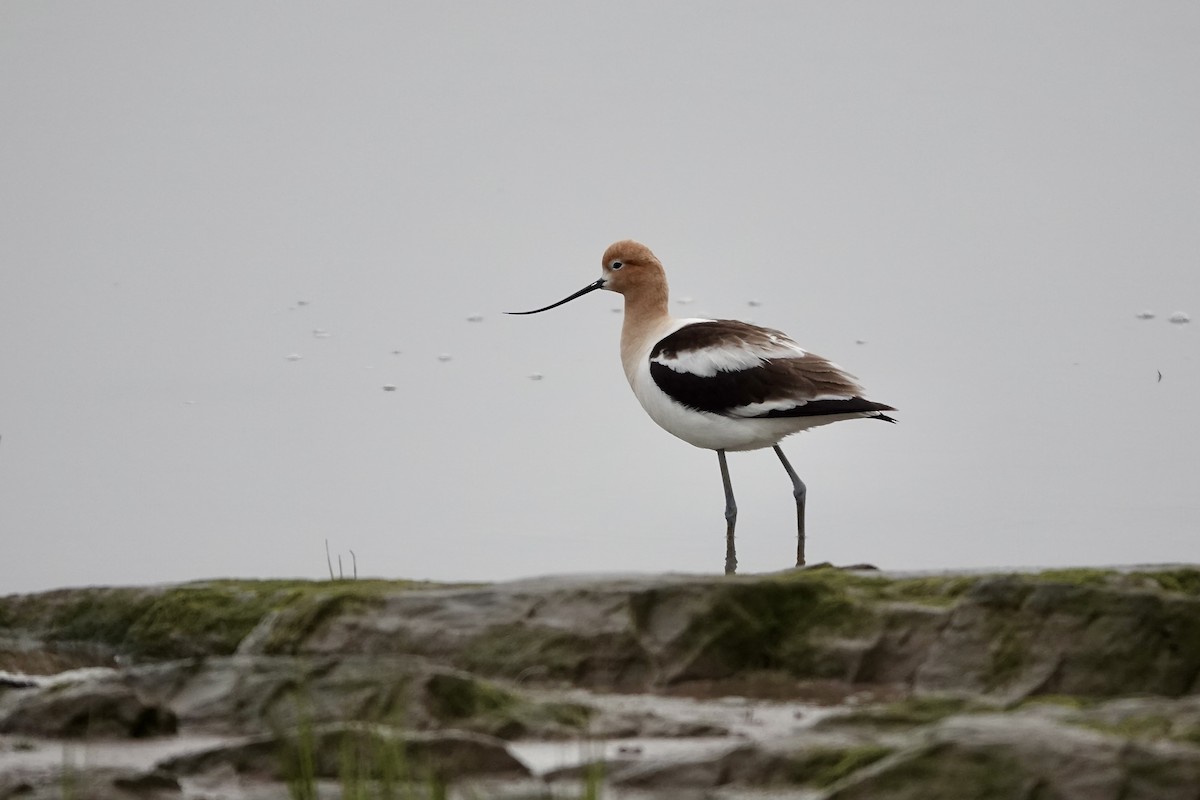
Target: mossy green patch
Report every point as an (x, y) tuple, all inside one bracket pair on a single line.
[(773, 625), (947, 589), (1137, 642), (304, 614), (1106, 638), (825, 766), (457, 697), (1079, 576), (1140, 726), (195, 621), (1187, 733), (202, 618), (1009, 655), (99, 615), (1068, 701), (365, 586), (160, 622), (936, 590), (1184, 580), (462, 701)]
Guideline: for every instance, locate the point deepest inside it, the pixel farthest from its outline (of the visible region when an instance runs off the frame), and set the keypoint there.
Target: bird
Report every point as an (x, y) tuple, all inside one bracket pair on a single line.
[(721, 384)]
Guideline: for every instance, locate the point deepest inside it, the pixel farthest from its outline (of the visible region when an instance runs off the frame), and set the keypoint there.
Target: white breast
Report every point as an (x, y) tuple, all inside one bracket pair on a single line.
[(699, 428)]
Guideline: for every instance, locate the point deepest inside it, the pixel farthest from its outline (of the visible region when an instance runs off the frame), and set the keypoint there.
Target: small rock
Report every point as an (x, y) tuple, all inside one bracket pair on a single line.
[(88, 709)]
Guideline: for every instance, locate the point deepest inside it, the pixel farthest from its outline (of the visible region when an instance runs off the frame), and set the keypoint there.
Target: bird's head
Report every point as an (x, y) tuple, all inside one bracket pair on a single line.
[(627, 267)]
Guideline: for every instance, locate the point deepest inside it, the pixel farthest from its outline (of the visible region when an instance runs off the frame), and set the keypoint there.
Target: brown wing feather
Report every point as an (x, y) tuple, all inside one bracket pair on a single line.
[(778, 371)]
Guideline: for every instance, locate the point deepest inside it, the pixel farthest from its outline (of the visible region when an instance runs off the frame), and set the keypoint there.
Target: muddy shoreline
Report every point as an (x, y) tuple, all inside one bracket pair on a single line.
[(811, 684)]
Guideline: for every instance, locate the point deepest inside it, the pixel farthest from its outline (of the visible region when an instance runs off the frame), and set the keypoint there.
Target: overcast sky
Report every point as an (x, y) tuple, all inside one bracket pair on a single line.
[(985, 194)]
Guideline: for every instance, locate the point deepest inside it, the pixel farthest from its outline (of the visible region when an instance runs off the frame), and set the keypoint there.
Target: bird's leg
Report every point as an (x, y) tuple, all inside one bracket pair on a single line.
[(730, 517), (800, 492)]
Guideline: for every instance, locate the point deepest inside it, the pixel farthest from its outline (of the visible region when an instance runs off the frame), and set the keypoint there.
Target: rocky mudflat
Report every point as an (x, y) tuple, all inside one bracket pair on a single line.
[(821, 683)]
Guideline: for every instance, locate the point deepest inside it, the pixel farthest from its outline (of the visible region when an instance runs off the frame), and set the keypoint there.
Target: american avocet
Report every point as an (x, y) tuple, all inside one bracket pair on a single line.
[(721, 384)]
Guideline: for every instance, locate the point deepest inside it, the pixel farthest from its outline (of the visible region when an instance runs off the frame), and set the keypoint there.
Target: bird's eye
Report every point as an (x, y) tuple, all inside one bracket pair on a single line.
[(615, 265)]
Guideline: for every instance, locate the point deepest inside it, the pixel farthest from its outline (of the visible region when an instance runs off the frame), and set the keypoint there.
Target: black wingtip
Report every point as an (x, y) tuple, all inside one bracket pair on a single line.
[(885, 418)]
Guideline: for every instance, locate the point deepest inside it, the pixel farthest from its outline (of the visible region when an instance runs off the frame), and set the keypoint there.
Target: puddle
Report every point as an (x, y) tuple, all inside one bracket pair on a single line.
[(30, 752), (745, 719), (754, 719), (543, 757)]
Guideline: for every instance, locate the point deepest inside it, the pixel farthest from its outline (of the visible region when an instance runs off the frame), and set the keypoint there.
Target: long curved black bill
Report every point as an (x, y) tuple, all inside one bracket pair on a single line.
[(591, 287)]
